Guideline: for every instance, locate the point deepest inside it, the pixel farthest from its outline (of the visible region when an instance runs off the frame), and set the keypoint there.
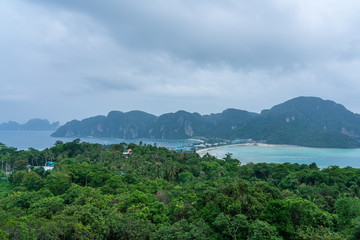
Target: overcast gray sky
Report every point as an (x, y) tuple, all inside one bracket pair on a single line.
[(72, 59)]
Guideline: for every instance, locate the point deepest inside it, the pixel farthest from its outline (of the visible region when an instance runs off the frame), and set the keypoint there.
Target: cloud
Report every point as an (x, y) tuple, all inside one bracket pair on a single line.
[(205, 56), (123, 84), (251, 34)]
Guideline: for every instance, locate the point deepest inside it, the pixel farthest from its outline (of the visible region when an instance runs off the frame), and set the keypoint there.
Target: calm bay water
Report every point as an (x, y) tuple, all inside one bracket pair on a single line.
[(40, 140), (323, 157)]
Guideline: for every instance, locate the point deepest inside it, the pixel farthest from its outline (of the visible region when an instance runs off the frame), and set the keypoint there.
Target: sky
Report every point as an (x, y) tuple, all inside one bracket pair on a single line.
[(73, 59)]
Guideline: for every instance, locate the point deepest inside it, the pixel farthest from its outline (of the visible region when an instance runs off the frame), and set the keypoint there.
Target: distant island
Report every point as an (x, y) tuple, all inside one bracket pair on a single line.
[(33, 125), (303, 121)]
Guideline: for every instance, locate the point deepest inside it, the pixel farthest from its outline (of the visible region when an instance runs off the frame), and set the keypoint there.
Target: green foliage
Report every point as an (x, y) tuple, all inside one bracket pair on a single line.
[(260, 230), (129, 226), (17, 177), (57, 182), (5, 188), (183, 230), (32, 181), (292, 214), (234, 227), (347, 209), (319, 234), (97, 193), (47, 207)]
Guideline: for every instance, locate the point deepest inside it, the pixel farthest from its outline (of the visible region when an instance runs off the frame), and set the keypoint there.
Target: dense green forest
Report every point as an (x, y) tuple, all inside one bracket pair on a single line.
[(97, 192)]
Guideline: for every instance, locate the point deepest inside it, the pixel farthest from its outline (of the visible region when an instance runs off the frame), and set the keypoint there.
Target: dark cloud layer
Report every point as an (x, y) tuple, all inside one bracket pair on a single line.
[(72, 59), (254, 33)]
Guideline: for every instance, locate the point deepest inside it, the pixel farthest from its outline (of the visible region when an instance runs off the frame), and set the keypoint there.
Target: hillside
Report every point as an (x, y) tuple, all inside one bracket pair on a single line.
[(318, 113), (138, 124), (134, 124), (177, 125), (305, 121)]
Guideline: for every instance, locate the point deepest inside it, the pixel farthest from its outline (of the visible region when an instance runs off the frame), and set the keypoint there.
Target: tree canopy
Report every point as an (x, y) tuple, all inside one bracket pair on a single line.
[(97, 192)]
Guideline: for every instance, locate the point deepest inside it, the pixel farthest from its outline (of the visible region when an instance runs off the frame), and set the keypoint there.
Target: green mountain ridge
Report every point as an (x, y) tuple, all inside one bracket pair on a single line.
[(304, 121), (133, 124)]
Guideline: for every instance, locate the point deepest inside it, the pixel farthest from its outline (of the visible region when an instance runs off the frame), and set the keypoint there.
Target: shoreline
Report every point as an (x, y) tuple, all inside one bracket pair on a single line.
[(204, 150), (196, 140)]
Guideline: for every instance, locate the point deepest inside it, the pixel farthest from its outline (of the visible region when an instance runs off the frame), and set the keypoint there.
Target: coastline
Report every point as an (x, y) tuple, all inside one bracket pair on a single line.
[(196, 140), (203, 151)]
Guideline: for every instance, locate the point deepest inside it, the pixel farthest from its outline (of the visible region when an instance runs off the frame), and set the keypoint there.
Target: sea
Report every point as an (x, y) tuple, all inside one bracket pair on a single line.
[(323, 157), (40, 140)]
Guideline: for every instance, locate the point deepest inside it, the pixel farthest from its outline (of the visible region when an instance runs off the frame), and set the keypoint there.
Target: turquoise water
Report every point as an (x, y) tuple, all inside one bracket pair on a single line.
[(323, 157), (40, 140)]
